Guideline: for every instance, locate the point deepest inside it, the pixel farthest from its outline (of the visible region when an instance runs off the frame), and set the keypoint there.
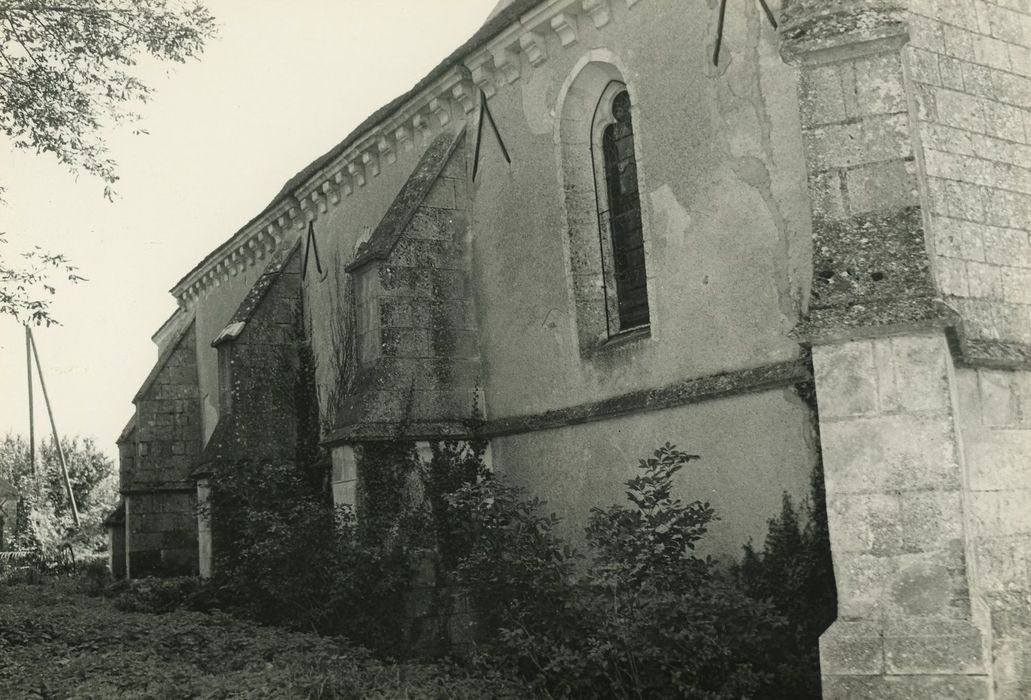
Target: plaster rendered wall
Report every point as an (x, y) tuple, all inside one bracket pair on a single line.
[(212, 314), (970, 61), (724, 201), (753, 448)]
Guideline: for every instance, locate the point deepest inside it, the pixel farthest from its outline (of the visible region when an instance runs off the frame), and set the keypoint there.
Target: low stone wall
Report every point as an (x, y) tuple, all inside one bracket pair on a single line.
[(162, 534)]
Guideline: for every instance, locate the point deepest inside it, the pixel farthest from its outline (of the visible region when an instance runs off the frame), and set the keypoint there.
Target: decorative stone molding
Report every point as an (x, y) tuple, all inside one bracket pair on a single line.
[(311, 205), (564, 25), (386, 149), (371, 162), (598, 11), (403, 138), (422, 126), (440, 108), (496, 62), (506, 64), (357, 172), (464, 95), (535, 48), (481, 69), (252, 243), (331, 192), (343, 183), (681, 393)]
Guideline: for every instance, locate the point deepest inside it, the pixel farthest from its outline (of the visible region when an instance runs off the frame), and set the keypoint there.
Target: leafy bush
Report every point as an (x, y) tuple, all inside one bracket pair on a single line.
[(33, 565), (644, 617), (518, 570), (285, 556), (795, 572), (164, 595), (44, 519)]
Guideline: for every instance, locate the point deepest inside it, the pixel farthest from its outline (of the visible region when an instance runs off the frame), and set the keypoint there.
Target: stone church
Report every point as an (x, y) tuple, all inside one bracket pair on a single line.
[(776, 234)]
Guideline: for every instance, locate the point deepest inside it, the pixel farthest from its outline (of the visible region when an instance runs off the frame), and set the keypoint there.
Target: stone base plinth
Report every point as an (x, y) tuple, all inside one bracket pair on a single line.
[(906, 658)]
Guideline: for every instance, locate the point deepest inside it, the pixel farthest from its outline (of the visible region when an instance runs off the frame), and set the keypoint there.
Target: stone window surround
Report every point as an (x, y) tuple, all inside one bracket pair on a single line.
[(582, 94)]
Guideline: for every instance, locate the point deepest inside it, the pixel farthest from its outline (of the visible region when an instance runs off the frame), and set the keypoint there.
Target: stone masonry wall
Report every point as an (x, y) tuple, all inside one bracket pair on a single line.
[(870, 264), (907, 626), (162, 533), (260, 419), (168, 422), (416, 325), (127, 455), (914, 125), (970, 63), (160, 504), (995, 422)]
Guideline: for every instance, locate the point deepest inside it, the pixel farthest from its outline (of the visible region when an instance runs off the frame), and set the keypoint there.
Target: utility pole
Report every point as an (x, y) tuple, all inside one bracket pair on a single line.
[(53, 428), (32, 417)]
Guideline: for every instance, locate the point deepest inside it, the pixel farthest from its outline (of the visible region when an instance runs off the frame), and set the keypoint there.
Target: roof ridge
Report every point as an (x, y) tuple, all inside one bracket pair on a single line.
[(491, 28)]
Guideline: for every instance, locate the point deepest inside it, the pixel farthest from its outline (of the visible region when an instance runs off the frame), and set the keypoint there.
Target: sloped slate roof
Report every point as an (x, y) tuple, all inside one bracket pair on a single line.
[(163, 360), (221, 446), (491, 28), (404, 206), (127, 430), (254, 297)]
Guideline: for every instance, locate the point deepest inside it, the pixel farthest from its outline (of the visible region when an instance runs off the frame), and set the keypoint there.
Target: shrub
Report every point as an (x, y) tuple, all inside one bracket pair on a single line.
[(285, 556), (795, 572), (518, 570), (164, 595), (648, 618)]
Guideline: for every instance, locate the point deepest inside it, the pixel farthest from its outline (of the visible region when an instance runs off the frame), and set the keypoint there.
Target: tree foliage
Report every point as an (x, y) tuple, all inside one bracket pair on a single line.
[(66, 73), (66, 69), (646, 617), (27, 283), (46, 520)]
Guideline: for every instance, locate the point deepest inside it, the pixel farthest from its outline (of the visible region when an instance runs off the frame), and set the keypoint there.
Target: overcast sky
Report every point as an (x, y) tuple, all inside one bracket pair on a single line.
[(284, 82)]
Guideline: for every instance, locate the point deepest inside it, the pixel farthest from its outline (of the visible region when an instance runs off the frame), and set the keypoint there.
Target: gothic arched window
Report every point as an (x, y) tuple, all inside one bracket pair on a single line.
[(619, 212)]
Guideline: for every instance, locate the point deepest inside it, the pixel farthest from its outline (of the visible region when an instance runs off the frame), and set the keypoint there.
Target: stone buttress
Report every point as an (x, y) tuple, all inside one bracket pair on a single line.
[(157, 489), (919, 328), (259, 408), (418, 361)]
